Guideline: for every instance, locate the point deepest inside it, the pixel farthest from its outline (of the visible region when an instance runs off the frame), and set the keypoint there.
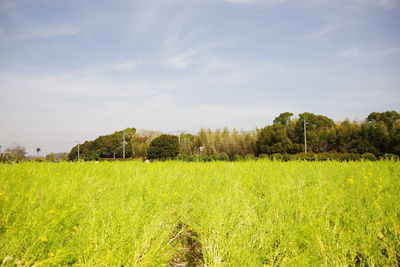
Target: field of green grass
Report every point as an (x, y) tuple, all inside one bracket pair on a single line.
[(254, 213)]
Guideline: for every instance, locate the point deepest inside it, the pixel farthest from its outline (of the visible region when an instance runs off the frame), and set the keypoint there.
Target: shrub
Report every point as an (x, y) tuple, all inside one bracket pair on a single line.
[(206, 158), (263, 156), (237, 158), (287, 157), (389, 156), (249, 157), (188, 158), (305, 156), (183, 157), (368, 156), (164, 147), (7, 158), (277, 156), (222, 156), (37, 159)]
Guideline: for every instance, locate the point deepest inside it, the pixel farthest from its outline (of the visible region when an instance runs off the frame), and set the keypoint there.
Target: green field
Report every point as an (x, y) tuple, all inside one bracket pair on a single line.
[(254, 213)]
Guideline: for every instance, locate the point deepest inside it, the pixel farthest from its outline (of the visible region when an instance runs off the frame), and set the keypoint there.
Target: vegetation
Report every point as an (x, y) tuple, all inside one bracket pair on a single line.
[(54, 157), (16, 151), (107, 146), (376, 137), (379, 134), (250, 213), (164, 147)]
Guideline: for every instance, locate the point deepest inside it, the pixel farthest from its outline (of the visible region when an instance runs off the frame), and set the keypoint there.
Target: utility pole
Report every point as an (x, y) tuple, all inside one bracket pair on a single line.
[(179, 137), (305, 137), (78, 150), (123, 144)]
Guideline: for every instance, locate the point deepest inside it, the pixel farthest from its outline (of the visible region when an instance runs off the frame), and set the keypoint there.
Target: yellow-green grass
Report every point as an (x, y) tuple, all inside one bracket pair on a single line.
[(254, 213)]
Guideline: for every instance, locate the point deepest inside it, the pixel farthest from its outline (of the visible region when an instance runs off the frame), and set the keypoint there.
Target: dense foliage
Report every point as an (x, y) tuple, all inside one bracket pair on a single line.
[(379, 134), (164, 147), (107, 146)]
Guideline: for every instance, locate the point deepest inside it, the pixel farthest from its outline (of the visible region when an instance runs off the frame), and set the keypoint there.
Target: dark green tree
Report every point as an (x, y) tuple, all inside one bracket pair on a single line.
[(318, 131), (283, 118), (273, 139), (164, 147), (106, 146)]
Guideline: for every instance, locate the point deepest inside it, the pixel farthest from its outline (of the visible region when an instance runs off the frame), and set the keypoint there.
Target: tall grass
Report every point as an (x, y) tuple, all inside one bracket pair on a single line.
[(250, 213)]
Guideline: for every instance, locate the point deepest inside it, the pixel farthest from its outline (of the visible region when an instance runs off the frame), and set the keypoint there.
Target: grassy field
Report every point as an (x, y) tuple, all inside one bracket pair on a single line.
[(254, 213)]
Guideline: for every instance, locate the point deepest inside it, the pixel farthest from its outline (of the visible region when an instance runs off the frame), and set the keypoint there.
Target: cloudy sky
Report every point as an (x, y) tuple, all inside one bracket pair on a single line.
[(73, 70)]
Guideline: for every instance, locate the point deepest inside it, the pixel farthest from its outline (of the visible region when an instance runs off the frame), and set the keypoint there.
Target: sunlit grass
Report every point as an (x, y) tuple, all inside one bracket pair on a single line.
[(245, 213)]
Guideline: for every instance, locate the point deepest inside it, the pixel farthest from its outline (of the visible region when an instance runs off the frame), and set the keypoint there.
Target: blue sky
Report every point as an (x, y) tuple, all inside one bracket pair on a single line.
[(73, 70)]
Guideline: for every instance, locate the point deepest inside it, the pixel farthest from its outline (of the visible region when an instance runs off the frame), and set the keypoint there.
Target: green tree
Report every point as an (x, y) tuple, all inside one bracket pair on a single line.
[(382, 130), (283, 118), (273, 139), (91, 155), (164, 147), (318, 131), (106, 146)]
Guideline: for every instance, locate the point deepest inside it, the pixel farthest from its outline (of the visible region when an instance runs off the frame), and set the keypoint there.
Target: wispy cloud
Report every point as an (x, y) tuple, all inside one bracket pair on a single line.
[(325, 33), (38, 32), (182, 48), (356, 52), (124, 66), (350, 53)]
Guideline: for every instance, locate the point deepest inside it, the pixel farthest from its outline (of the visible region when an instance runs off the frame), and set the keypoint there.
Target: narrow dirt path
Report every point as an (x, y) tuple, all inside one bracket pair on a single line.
[(189, 248)]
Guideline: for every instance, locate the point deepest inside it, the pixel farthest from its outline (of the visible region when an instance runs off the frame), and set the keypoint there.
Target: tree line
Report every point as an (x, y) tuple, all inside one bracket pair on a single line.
[(378, 134), (375, 137)]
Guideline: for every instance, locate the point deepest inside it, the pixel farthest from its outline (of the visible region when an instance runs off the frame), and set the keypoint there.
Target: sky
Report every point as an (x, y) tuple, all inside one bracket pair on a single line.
[(74, 70)]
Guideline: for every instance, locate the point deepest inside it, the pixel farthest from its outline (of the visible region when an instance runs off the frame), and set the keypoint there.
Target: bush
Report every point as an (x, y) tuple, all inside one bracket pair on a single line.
[(237, 158), (277, 156), (389, 156), (222, 156), (37, 159), (263, 156), (287, 157), (163, 147), (249, 157), (188, 158), (205, 158), (7, 158), (368, 156), (183, 157), (305, 156)]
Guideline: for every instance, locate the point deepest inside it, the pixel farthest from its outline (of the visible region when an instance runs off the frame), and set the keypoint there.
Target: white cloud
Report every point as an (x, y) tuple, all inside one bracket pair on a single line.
[(350, 53), (355, 52), (388, 51), (41, 32), (324, 33), (125, 66), (183, 48), (179, 61)]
